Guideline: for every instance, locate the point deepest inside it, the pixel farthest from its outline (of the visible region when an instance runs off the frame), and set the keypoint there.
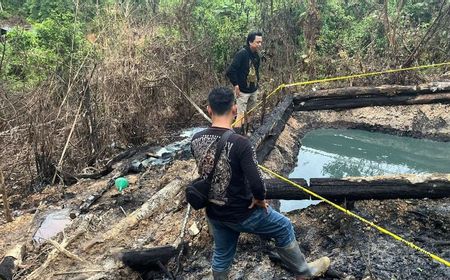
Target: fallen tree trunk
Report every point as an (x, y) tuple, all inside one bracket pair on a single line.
[(386, 90), (359, 101), (360, 189), (265, 137)]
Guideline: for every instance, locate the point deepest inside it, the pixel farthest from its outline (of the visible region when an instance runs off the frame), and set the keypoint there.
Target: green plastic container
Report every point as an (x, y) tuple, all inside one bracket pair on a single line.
[(121, 183)]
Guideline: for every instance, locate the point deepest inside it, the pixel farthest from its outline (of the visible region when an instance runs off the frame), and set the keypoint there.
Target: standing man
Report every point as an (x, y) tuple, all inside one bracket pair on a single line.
[(237, 196), (243, 73)]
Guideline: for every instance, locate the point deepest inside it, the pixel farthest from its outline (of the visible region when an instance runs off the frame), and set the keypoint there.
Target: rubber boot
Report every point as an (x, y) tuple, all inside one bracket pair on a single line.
[(220, 275), (294, 260)]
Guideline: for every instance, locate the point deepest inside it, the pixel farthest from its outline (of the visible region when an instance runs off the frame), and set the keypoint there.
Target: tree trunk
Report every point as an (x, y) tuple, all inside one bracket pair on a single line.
[(369, 101), (402, 187), (355, 97), (386, 90), (267, 134)]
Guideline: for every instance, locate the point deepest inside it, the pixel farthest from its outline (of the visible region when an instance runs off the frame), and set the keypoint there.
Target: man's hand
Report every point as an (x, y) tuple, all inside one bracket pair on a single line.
[(259, 203), (237, 91)]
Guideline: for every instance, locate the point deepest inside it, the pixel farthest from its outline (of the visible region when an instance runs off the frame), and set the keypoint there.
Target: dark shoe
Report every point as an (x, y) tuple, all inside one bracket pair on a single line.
[(220, 275)]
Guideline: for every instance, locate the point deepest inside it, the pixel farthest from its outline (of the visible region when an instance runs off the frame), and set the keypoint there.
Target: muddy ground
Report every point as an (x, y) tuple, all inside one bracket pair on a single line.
[(356, 250)]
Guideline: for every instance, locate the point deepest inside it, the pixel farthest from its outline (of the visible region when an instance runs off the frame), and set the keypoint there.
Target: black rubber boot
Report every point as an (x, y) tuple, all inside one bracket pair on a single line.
[(221, 275), (292, 258)]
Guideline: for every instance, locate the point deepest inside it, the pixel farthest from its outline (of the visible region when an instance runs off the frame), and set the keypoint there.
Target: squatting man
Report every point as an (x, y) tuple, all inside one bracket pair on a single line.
[(237, 195)]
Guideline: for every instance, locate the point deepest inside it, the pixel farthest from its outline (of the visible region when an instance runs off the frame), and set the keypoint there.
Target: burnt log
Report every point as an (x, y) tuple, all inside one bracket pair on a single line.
[(147, 260), (265, 137), (356, 97), (387, 90), (10, 262), (360, 189), (369, 101)]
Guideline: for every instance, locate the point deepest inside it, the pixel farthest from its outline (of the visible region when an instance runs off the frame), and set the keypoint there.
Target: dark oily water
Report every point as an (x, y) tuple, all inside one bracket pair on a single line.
[(337, 153)]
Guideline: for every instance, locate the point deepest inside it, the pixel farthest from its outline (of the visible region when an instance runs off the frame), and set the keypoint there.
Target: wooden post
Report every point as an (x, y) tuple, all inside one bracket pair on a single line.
[(5, 198), (244, 124), (263, 110)]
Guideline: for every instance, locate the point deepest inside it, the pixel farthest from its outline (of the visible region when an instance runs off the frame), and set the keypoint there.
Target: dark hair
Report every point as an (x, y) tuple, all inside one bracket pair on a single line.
[(252, 35), (220, 100)]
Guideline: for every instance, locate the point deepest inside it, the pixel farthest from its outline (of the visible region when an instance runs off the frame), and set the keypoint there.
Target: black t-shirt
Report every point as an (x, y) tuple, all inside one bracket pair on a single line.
[(236, 179)]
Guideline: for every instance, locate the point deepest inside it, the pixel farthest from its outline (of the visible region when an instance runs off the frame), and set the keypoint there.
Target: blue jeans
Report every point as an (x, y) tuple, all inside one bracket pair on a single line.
[(271, 225)]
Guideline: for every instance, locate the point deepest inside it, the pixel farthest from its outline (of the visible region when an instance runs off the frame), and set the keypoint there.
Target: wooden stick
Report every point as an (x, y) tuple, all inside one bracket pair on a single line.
[(181, 237), (245, 124), (37, 273), (67, 142), (5, 198), (78, 272), (191, 101), (264, 105), (65, 251)]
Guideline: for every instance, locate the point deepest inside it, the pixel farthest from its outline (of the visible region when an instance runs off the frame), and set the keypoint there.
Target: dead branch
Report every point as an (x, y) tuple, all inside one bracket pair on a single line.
[(65, 251), (58, 167), (78, 272), (428, 35), (180, 239), (5, 198), (146, 210), (191, 101), (55, 252)]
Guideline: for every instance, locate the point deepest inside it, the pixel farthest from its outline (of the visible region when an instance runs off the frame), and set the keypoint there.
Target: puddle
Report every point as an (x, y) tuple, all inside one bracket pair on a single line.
[(337, 153), (54, 223)]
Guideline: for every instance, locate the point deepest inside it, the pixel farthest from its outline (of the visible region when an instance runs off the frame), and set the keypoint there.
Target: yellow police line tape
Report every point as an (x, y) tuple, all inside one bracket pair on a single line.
[(383, 230), (362, 75)]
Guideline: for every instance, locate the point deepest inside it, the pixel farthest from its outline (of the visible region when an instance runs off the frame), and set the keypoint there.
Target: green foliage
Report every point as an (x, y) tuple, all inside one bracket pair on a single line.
[(224, 26), (12, 6), (349, 29), (42, 9), (52, 47)]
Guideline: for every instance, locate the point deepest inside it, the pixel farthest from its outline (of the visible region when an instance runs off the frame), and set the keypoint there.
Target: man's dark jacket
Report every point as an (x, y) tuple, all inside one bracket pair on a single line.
[(238, 70)]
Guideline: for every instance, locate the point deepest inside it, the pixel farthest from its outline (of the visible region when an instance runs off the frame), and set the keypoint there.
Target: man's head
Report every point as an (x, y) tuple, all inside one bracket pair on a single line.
[(221, 102), (254, 41)]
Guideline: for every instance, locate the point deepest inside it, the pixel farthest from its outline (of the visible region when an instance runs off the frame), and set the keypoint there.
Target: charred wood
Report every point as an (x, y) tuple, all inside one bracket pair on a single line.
[(368, 101), (265, 137), (344, 190)]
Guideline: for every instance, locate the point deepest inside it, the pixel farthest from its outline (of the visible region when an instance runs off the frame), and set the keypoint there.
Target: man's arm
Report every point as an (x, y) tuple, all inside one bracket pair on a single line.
[(252, 172), (233, 72)]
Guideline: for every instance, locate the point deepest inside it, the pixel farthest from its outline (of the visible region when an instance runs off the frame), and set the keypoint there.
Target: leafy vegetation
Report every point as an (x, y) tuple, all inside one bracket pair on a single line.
[(118, 66)]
